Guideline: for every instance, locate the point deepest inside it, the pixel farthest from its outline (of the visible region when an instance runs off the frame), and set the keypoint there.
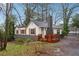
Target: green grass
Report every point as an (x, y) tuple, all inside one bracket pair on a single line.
[(14, 49), (23, 50)]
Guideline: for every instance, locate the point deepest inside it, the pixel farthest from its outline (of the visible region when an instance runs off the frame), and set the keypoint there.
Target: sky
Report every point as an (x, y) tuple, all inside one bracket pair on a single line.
[(56, 7)]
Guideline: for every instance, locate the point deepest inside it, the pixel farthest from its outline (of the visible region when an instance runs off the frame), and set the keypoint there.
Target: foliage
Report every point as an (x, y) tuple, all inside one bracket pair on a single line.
[(19, 41), (10, 28), (2, 34), (23, 40), (65, 30), (67, 13), (75, 21), (29, 40)]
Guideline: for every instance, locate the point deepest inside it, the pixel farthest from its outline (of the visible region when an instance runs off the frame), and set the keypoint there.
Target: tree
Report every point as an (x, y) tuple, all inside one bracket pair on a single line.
[(2, 36), (34, 11), (6, 9), (67, 10), (2, 32), (46, 16), (11, 28), (75, 21), (8, 13), (29, 12), (44, 8)]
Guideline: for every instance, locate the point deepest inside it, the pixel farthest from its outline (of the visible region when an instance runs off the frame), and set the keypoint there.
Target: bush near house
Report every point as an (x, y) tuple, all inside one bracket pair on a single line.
[(19, 41), (28, 40), (23, 40)]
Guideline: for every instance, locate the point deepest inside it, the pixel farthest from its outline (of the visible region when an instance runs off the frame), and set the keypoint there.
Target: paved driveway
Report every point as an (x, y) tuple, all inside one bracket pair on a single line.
[(69, 46)]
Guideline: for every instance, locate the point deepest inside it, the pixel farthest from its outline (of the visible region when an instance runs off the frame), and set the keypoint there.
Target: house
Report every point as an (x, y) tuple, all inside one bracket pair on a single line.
[(73, 31), (36, 28)]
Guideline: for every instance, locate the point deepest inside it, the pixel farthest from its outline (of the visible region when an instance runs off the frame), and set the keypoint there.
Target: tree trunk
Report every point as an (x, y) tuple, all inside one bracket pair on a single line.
[(8, 12)]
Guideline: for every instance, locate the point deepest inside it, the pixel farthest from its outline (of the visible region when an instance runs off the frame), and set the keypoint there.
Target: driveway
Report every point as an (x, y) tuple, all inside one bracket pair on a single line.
[(69, 46)]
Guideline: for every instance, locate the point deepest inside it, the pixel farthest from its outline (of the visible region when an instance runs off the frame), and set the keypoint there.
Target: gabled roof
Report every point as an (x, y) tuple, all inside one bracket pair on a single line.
[(45, 24), (41, 24)]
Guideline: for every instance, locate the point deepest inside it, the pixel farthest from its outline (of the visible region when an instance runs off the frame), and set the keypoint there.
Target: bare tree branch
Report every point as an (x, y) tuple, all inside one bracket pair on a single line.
[(18, 15)]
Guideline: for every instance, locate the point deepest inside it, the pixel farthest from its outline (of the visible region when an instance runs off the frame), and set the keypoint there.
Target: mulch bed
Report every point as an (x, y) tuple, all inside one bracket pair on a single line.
[(51, 38)]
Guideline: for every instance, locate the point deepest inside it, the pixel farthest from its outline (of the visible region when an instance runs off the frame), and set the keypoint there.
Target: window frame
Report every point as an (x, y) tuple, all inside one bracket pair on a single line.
[(23, 31), (32, 31)]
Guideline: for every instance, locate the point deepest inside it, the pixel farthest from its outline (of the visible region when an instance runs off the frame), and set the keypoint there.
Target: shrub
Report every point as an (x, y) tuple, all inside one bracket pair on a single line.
[(2, 34), (23, 40), (19, 41), (65, 30), (29, 40)]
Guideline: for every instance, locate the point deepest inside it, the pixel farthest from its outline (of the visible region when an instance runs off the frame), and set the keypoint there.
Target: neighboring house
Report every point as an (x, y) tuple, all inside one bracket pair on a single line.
[(73, 30), (36, 28)]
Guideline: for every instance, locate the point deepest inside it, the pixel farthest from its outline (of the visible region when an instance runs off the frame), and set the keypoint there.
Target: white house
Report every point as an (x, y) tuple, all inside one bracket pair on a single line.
[(73, 30), (36, 28)]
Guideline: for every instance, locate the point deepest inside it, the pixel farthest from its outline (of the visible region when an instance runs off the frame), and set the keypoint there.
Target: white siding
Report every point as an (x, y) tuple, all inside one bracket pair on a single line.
[(45, 31), (38, 29), (74, 32), (19, 30), (54, 31), (32, 26), (60, 31)]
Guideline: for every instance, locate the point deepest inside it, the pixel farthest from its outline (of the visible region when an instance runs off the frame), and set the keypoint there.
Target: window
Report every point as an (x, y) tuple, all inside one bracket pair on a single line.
[(23, 31), (32, 31), (17, 32)]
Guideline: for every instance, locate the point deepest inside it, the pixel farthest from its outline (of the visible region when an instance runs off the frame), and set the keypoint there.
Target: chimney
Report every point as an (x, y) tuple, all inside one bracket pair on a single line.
[(49, 29), (50, 21)]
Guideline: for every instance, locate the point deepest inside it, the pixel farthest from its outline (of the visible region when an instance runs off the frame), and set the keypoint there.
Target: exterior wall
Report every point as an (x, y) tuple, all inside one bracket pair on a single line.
[(32, 26), (73, 30), (19, 30), (43, 31), (60, 31), (38, 30), (54, 31)]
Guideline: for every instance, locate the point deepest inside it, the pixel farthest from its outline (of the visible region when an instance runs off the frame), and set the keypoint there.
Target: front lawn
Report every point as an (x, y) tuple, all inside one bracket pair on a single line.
[(33, 48)]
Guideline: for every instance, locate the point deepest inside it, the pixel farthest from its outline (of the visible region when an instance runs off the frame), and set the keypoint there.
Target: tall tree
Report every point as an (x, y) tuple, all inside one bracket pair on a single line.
[(67, 10), (8, 13), (75, 21), (44, 10), (11, 28), (9, 21), (29, 12)]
